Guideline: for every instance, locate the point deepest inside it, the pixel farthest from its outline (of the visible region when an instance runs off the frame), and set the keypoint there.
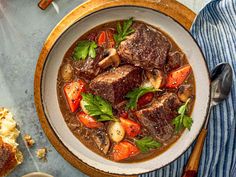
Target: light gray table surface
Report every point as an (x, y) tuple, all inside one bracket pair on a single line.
[(23, 30)]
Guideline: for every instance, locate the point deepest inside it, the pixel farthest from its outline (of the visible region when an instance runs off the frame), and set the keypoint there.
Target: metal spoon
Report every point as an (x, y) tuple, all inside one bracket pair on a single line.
[(221, 83)]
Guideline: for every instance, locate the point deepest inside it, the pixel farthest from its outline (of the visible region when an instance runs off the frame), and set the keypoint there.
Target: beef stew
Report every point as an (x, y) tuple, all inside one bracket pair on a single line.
[(126, 90)]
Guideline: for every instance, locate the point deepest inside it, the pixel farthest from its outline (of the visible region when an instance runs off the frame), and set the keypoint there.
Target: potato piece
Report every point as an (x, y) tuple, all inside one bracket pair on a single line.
[(116, 131), (67, 72)]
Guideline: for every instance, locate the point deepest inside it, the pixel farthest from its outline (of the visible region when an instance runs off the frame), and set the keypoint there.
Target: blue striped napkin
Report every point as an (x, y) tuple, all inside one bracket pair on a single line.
[(215, 31)]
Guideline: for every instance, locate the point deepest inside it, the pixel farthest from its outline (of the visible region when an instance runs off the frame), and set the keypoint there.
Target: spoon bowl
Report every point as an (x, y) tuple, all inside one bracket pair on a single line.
[(221, 83)]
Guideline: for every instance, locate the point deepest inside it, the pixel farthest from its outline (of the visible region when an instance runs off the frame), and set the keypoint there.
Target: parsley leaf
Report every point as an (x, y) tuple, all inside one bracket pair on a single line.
[(84, 49), (97, 107), (136, 94), (123, 32), (187, 122), (147, 143), (182, 120)]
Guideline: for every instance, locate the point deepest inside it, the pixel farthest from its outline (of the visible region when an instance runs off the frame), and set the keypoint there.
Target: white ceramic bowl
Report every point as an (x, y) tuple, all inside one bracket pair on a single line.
[(37, 174), (184, 40)]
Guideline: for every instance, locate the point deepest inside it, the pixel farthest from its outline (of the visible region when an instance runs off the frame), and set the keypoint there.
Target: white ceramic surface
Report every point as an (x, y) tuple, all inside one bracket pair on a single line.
[(181, 37), (37, 174)]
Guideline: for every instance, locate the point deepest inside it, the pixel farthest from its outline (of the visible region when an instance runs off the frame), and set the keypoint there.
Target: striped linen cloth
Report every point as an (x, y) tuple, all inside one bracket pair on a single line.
[(215, 31)]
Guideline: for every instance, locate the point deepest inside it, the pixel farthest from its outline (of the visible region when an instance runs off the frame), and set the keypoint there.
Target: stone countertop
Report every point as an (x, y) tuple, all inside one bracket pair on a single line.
[(23, 30)]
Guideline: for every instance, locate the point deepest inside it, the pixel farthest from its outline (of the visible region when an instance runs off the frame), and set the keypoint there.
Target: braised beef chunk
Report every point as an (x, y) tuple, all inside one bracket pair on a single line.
[(157, 118), (146, 47), (90, 68), (115, 84), (174, 60)]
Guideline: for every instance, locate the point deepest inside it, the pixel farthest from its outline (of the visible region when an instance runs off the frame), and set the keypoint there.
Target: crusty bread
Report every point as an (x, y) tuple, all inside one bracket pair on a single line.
[(10, 156)]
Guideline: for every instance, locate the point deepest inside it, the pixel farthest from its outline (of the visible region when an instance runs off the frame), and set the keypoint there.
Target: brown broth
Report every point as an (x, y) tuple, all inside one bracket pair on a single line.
[(81, 132)]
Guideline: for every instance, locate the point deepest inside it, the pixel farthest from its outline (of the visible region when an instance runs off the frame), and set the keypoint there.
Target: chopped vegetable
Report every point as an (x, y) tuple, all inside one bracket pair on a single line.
[(182, 120), (123, 32), (82, 103), (110, 39), (124, 114), (136, 94), (116, 131), (177, 77), (67, 72), (106, 40), (133, 149), (124, 150), (112, 59), (73, 92), (145, 99), (102, 39), (132, 128), (102, 140), (157, 78), (92, 36), (185, 91), (147, 143), (88, 120), (84, 49), (97, 107)]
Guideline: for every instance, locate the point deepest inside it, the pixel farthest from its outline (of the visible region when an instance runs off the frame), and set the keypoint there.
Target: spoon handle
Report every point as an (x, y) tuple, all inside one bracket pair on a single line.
[(43, 4), (193, 162)]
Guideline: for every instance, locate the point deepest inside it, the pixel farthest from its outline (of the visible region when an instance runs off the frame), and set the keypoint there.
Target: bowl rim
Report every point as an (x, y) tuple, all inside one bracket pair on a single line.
[(40, 79)]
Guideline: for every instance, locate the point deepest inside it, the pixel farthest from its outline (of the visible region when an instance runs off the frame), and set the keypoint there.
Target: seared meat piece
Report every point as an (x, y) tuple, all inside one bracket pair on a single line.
[(173, 61), (157, 118), (115, 84), (146, 47), (90, 68)]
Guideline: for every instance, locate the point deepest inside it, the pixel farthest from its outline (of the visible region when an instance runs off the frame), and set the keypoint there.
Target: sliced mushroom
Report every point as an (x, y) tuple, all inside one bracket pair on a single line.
[(157, 78), (102, 140), (112, 59), (67, 72), (185, 92)]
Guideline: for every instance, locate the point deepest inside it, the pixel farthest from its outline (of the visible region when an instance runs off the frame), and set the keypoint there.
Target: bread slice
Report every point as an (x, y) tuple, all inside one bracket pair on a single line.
[(10, 156)]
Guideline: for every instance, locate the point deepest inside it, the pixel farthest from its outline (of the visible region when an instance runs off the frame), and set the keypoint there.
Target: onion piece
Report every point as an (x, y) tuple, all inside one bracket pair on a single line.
[(116, 131), (67, 72)]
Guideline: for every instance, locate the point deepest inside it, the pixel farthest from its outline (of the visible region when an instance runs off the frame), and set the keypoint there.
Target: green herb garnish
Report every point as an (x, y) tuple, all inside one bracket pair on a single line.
[(97, 107), (123, 31), (136, 94), (84, 49), (147, 143), (182, 120)]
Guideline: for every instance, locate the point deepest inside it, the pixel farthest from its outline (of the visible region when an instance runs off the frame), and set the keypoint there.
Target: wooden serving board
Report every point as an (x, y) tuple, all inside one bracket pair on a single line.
[(172, 8)]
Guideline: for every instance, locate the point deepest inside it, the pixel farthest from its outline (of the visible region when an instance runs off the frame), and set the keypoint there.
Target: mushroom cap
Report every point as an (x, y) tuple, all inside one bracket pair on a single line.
[(112, 59)]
